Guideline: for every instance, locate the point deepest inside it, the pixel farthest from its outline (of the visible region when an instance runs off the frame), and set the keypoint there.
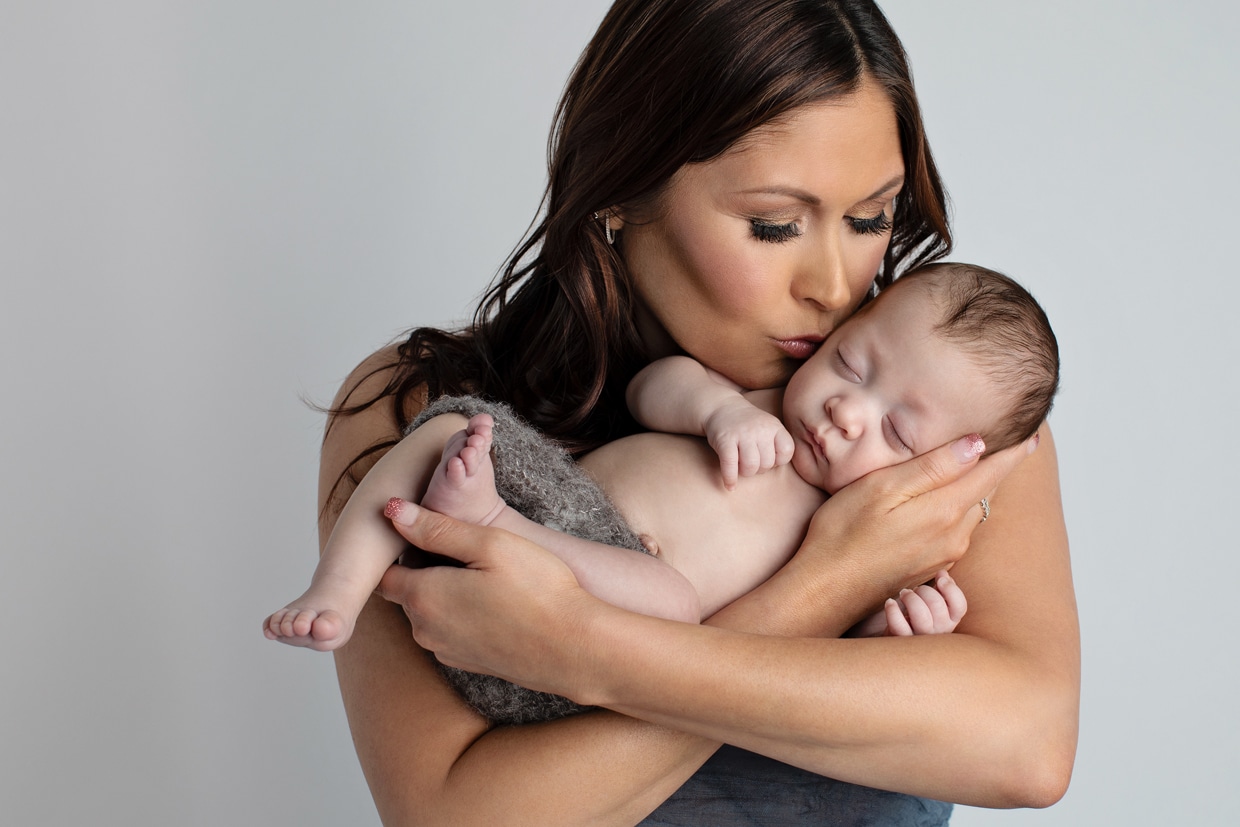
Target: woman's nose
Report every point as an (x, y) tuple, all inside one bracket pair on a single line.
[(823, 278)]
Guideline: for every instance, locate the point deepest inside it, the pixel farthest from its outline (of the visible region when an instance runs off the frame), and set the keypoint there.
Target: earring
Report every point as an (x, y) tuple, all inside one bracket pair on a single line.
[(607, 230)]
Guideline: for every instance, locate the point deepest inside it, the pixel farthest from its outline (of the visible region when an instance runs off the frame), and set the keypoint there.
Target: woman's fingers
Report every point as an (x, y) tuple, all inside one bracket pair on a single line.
[(925, 508), (938, 468), (481, 616), (956, 466), (992, 470)]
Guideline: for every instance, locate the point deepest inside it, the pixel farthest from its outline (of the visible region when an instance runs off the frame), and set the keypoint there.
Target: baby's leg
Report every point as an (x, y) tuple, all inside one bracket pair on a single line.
[(362, 545), (463, 485)]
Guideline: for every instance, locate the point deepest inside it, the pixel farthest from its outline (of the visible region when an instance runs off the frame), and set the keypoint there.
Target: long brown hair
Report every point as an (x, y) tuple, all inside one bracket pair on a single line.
[(663, 83)]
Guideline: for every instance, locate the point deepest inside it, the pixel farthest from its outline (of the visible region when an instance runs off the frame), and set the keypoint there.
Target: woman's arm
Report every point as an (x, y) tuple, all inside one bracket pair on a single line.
[(985, 716)]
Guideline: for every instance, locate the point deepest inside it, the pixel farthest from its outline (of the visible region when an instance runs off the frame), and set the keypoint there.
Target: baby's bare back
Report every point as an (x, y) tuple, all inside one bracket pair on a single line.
[(670, 490)]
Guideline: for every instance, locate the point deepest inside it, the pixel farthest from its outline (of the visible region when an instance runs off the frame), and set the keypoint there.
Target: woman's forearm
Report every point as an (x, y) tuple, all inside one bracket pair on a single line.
[(986, 716), (951, 717), (430, 760)]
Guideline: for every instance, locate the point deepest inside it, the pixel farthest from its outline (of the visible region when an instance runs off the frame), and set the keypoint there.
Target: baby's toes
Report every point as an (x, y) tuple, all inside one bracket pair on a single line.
[(292, 620), (271, 626), (327, 626)]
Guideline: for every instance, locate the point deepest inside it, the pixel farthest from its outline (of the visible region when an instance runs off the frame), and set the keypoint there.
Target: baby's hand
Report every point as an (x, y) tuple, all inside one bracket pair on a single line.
[(747, 439), (925, 610)]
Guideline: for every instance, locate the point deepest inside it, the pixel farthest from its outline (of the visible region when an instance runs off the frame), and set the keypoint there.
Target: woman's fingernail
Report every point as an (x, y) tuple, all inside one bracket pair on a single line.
[(399, 511), (968, 448), (1033, 443)]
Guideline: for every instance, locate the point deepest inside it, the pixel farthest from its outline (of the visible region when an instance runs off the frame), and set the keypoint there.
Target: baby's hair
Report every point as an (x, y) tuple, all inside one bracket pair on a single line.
[(1000, 325)]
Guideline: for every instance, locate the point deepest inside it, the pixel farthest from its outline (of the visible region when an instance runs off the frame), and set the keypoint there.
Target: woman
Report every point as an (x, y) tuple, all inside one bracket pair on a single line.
[(728, 178)]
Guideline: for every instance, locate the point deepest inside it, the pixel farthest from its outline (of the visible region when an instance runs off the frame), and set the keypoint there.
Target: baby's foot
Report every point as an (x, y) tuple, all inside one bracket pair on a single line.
[(305, 622), (463, 486)]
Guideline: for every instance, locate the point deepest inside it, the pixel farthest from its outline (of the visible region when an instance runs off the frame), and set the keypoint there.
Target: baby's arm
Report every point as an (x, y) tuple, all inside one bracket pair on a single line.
[(930, 609), (679, 395), (361, 548)]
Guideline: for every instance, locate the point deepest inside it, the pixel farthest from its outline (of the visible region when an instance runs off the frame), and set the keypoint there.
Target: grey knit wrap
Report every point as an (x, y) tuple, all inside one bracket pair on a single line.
[(540, 480)]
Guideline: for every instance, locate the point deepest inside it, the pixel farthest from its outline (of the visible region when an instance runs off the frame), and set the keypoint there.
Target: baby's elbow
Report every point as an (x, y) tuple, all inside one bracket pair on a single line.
[(690, 607), (683, 604)]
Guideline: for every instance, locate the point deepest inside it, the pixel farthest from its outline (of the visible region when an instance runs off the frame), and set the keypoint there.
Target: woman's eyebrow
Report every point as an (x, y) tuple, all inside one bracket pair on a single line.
[(894, 183), (814, 201), (791, 192)]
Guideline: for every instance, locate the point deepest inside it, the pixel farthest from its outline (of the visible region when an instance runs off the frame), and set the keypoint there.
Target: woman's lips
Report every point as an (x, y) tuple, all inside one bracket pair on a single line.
[(799, 348)]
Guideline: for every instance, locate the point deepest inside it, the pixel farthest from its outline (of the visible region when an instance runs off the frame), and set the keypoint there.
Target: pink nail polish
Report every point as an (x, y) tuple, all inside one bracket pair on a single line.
[(968, 448), (393, 508)]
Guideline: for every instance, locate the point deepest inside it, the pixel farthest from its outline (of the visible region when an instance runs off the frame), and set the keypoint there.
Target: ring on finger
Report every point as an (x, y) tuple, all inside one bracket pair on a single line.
[(985, 504)]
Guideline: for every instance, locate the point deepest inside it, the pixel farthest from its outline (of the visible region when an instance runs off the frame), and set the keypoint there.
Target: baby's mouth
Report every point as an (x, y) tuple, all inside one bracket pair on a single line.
[(819, 443)]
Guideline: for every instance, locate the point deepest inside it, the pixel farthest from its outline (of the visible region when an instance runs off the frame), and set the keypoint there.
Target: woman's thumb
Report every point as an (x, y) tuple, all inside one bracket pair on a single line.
[(432, 531)]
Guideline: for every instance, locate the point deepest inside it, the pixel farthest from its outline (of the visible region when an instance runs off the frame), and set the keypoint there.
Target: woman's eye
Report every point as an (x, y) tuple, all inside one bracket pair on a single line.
[(773, 233), (894, 436), (878, 225)]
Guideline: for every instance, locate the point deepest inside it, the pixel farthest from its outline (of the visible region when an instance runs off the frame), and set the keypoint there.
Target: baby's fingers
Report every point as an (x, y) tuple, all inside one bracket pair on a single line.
[(784, 447), (729, 463), (920, 609), (954, 598), (751, 460), (897, 623)]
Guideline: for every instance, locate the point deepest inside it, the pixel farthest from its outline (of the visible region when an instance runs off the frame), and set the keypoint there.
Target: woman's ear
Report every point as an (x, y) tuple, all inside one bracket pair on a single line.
[(611, 221)]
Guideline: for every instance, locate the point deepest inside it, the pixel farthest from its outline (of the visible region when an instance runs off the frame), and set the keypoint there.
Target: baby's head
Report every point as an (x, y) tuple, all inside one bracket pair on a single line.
[(948, 350)]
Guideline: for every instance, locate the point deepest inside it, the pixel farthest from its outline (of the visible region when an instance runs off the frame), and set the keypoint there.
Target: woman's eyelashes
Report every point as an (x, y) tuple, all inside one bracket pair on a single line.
[(777, 233), (772, 232), (877, 225)]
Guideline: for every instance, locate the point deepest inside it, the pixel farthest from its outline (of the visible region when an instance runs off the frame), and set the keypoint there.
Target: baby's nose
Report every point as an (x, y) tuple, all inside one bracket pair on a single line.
[(847, 415)]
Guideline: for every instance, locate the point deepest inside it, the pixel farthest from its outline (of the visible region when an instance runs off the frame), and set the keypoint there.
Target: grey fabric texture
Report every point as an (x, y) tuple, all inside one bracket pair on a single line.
[(539, 479)]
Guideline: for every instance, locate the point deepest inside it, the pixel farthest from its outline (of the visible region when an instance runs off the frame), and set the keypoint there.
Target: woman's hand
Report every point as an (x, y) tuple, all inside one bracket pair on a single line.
[(895, 527), (499, 613)]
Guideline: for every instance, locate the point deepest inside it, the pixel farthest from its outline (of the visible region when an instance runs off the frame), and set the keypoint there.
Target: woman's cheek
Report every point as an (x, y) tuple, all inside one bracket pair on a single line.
[(870, 258), (734, 284)]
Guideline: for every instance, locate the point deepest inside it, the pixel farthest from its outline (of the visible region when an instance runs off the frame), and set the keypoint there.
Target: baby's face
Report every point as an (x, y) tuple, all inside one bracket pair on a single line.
[(882, 389)]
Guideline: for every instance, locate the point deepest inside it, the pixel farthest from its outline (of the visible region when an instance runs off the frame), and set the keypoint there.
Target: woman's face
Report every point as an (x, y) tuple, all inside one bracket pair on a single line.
[(751, 259)]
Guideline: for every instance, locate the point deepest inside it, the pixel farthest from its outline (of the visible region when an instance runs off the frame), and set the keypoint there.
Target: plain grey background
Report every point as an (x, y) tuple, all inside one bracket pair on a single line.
[(210, 210)]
